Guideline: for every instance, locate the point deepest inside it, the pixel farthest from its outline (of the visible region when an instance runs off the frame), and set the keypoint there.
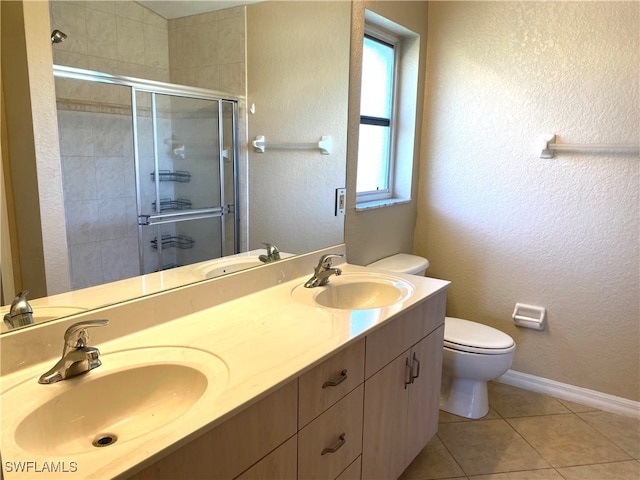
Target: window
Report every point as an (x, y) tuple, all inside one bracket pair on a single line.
[(388, 111), (377, 106)]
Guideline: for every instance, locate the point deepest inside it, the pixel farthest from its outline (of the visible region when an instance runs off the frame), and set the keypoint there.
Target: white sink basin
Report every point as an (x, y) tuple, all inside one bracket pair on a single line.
[(356, 291), (134, 393), (231, 267)]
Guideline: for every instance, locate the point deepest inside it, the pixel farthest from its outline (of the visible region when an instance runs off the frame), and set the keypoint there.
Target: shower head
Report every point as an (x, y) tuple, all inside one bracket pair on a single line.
[(57, 36)]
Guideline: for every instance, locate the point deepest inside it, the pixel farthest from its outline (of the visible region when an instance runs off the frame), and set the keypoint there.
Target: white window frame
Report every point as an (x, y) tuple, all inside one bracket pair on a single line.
[(387, 37)]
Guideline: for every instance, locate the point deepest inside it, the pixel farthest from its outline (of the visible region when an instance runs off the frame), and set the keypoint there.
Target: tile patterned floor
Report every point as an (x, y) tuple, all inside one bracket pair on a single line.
[(529, 436)]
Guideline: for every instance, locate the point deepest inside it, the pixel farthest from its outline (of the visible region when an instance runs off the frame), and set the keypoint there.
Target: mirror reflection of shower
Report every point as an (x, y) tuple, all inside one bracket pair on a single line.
[(148, 181), (57, 36)]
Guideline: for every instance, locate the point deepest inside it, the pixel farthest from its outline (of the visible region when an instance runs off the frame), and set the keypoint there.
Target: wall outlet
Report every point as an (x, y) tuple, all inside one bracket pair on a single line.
[(341, 200)]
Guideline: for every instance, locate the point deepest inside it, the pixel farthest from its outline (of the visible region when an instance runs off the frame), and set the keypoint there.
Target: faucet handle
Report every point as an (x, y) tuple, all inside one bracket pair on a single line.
[(325, 260), (76, 335)]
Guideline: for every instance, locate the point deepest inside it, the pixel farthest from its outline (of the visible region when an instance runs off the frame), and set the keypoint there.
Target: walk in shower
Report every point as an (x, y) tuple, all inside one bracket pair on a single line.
[(149, 174)]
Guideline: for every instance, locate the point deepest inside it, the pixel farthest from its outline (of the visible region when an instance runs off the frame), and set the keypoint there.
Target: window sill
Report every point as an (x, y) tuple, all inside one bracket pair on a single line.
[(387, 202)]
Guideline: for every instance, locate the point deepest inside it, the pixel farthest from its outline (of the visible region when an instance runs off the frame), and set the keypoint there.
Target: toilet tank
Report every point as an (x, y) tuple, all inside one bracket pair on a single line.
[(403, 263)]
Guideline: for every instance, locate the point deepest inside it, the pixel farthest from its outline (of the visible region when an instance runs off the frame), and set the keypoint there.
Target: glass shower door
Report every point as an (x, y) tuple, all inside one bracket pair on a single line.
[(183, 189)]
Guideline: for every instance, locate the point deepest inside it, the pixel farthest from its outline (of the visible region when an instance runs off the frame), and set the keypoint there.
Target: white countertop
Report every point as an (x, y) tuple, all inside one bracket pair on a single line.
[(265, 339)]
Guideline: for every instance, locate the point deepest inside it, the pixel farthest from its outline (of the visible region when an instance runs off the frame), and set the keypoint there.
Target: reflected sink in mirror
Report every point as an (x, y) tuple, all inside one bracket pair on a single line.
[(134, 393), (43, 314), (233, 263), (356, 291)]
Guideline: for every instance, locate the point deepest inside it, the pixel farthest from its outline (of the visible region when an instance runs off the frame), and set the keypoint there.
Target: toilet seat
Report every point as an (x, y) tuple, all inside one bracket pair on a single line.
[(472, 337)]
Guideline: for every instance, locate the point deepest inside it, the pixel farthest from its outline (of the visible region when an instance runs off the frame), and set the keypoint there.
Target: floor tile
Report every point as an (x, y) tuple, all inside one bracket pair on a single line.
[(544, 474), (603, 471), (567, 440), (433, 462), (510, 401), (446, 417), (489, 446), (576, 407), (623, 431)]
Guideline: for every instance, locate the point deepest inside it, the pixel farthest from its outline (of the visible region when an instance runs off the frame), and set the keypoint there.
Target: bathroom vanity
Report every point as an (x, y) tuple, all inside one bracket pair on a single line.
[(301, 390)]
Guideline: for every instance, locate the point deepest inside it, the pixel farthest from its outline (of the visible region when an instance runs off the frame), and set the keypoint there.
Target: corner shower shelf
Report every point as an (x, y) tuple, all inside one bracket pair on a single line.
[(168, 204), (169, 176), (174, 241)]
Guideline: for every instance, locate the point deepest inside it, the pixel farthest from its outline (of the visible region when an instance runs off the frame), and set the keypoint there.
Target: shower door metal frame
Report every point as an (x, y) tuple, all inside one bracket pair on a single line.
[(155, 87)]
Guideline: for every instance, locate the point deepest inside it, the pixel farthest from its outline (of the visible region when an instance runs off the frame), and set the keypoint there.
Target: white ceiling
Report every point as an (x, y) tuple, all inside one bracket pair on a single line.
[(183, 8)]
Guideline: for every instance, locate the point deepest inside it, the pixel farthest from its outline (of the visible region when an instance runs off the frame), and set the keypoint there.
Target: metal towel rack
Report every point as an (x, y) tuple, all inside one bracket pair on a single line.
[(324, 145), (548, 146)]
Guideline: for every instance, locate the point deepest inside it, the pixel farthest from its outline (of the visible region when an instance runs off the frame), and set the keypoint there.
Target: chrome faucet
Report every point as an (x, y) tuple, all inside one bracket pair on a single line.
[(273, 254), (323, 271), (20, 313), (77, 357)]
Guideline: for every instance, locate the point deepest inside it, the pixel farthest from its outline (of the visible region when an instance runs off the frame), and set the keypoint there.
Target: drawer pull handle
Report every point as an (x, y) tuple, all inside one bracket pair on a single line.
[(341, 378), (415, 360), (408, 379), (337, 446)]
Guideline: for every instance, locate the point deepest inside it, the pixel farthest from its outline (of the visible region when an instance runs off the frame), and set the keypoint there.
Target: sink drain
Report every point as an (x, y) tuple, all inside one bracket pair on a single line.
[(104, 440)]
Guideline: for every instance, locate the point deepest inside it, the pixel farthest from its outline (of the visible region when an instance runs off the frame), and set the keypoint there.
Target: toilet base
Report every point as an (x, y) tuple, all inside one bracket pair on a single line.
[(465, 397)]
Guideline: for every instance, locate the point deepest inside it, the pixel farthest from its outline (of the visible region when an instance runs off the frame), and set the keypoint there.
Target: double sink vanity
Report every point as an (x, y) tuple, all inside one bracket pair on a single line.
[(250, 375)]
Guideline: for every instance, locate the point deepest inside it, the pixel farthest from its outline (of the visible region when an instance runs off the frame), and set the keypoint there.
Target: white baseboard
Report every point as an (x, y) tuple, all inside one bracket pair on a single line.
[(564, 391)]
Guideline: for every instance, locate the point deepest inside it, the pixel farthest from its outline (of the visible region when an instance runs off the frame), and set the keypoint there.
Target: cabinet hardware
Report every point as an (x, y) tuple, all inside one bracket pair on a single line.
[(341, 441), (341, 378), (409, 371), (415, 360)]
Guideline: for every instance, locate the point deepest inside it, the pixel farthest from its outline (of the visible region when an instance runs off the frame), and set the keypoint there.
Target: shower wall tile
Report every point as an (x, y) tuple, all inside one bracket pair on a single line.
[(102, 38), (112, 217), (76, 134), (120, 258), (108, 133), (230, 44), (83, 221), (131, 10), (67, 88), (112, 177), (86, 265), (155, 46), (130, 40), (78, 178), (70, 18), (103, 6)]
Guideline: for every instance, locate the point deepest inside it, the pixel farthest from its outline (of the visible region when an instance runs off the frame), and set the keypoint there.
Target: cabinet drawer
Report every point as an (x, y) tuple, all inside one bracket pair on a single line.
[(327, 383), (339, 429), (399, 335)]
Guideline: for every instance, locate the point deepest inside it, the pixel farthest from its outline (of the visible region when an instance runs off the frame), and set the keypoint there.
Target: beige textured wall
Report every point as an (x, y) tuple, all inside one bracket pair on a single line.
[(506, 226), (297, 77), (373, 234), (33, 146)]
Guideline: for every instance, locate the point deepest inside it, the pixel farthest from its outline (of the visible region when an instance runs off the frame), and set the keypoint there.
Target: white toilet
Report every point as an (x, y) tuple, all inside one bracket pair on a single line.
[(473, 353)]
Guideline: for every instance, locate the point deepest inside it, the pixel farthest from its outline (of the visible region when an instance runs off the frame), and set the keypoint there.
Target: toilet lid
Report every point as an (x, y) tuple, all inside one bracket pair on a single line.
[(471, 336)]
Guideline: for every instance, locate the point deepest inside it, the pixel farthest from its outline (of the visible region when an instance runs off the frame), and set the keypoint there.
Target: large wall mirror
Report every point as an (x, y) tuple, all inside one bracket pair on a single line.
[(277, 69)]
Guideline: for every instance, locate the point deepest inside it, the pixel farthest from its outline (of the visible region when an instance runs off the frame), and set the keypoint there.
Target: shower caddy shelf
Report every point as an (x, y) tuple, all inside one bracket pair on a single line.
[(182, 242), (181, 176), (171, 204)]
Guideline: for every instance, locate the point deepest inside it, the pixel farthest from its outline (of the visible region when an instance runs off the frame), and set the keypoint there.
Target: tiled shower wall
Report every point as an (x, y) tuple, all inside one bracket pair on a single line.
[(125, 38)]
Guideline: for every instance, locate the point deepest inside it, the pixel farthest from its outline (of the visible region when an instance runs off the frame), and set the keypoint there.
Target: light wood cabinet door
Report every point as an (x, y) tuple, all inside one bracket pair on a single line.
[(331, 442), (327, 383), (424, 393), (385, 422), (281, 464)]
